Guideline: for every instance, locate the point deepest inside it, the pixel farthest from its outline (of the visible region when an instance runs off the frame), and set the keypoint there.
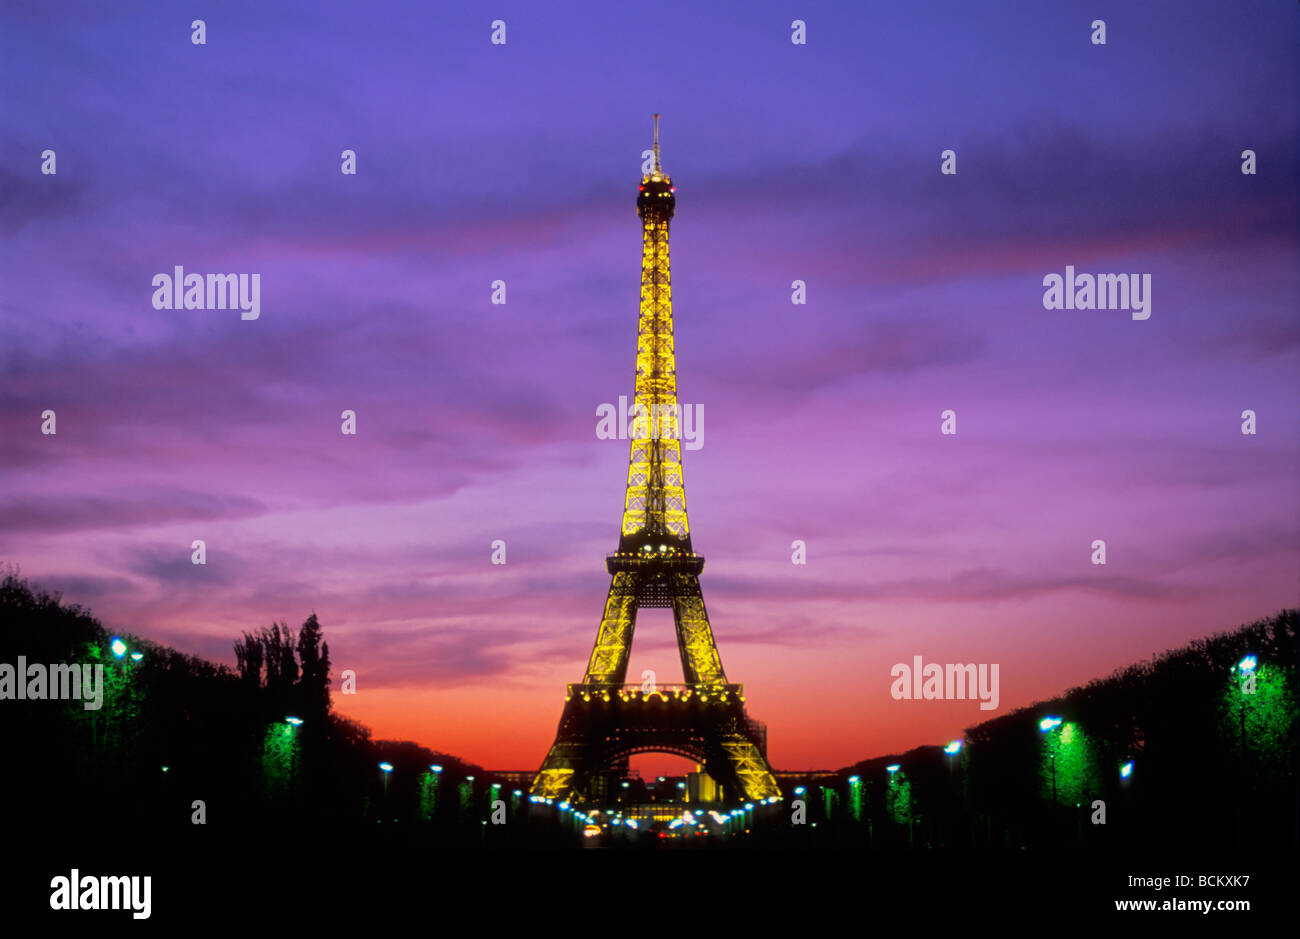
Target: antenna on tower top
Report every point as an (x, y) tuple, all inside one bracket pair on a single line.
[(658, 169)]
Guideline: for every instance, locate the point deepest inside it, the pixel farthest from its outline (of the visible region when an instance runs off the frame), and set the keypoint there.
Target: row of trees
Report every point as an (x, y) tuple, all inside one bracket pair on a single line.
[(1195, 749), (288, 682), (174, 730)]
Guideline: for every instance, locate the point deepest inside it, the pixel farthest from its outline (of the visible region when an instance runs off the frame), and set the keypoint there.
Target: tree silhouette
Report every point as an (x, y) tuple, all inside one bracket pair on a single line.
[(315, 659)]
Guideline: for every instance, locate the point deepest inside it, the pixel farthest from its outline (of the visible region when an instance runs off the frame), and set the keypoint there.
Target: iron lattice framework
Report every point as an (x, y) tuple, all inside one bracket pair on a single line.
[(605, 720)]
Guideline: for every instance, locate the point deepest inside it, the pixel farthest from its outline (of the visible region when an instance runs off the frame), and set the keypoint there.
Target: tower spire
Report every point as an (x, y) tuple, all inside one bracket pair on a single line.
[(658, 168)]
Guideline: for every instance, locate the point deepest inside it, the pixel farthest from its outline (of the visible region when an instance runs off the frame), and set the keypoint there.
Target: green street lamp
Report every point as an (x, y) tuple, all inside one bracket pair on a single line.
[(1247, 667), (1046, 725), (294, 723), (952, 749), (119, 649), (136, 656), (855, 797), (387, 769), (432, 782)]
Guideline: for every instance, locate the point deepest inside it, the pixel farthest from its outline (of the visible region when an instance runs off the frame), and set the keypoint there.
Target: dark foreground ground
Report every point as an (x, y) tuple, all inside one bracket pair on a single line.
[(390, 885)]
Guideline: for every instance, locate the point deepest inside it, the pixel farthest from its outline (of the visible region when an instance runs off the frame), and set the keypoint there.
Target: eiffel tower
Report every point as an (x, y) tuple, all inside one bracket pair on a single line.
[(606, 721)]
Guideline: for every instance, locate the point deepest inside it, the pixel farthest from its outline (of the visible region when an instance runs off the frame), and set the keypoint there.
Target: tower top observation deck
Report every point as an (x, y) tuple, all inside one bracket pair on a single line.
[(655, 195)]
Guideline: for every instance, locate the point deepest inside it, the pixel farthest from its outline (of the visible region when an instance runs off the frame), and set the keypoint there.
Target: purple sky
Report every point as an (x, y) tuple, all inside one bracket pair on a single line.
[(477, 421)]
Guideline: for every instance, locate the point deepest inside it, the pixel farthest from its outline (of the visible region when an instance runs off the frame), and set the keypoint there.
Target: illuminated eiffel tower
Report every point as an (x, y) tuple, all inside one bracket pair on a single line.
[(605, 721)]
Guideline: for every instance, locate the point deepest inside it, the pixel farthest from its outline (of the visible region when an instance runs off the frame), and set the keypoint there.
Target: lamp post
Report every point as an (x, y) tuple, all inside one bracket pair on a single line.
[(386, 768), (1247, 668), (1245, 679), (294, 723), (432, 791), (1045, 726), (891, 797), (952, 749), (119, 650)]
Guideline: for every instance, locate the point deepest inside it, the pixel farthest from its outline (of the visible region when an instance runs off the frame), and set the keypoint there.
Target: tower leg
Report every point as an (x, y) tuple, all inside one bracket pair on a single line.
[(609, 657), (563, 762), (701, 663), (748, 764)]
